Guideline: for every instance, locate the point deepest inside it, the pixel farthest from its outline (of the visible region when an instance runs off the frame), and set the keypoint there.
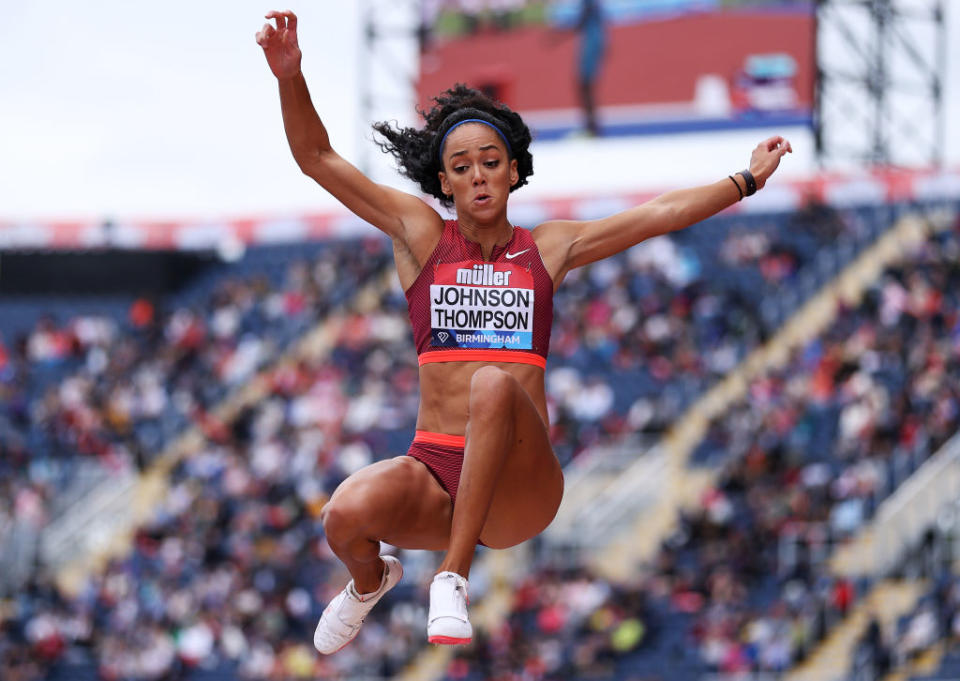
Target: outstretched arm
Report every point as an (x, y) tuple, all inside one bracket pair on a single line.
[(566, 244), (396, 213)]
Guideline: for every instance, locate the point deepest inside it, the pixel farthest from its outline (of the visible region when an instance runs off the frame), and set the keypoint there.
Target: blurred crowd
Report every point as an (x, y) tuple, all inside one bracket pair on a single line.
[(750, 613), (932, 626), (804, 461), (711, 602), (237, 535), (562, 624), (115, 391), (928, 636), (637, 337), (857, 409), (814, 448), (232, 569)]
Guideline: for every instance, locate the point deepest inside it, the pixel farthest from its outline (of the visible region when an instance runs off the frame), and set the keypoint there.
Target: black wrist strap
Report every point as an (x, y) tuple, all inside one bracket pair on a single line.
[(737, 185), (751, 182)]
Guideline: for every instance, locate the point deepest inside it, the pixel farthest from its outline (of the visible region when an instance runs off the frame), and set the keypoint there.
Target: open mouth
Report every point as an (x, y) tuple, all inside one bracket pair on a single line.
[(482, 199)]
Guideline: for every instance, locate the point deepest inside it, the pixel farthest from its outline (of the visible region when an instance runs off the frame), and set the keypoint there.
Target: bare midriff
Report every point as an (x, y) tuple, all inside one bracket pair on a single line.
[(445, 393)]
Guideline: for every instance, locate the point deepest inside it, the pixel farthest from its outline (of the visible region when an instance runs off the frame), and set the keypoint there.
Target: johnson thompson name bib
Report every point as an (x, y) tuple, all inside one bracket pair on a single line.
[(481, 305)]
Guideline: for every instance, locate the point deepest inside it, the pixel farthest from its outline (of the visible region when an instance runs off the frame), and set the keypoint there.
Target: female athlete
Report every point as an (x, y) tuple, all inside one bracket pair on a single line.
[(479, 291)]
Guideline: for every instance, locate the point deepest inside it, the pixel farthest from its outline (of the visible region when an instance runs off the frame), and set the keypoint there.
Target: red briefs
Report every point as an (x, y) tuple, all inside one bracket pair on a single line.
[(442, 455)]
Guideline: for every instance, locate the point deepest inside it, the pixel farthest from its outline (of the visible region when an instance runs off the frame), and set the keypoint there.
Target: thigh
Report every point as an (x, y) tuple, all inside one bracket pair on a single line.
[(397, 501), (530, 485)]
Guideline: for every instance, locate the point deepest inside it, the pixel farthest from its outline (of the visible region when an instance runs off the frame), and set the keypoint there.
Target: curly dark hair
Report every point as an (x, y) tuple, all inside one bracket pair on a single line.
[(417, 151)]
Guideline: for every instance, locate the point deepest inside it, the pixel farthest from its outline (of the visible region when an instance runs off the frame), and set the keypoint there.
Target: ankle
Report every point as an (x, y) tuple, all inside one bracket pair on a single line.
[(460, 570), (370, 582)]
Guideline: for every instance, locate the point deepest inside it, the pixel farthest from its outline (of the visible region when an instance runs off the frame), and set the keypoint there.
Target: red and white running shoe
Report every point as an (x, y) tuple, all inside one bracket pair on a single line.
[(447, 621), (342, 618)]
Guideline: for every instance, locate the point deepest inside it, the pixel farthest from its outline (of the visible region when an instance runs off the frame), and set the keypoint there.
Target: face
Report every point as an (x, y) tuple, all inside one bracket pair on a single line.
[(477, 172)]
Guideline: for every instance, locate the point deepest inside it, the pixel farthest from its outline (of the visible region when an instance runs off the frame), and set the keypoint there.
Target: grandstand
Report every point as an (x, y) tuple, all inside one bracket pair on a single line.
[(327, 384), (758, 419)]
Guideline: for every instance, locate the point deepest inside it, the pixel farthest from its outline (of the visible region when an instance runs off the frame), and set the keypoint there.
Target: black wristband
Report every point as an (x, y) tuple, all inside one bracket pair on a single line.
[(751, 182), (737, 185)]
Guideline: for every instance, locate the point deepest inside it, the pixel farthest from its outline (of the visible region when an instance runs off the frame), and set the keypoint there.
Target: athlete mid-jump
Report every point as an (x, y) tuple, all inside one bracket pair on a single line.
[(479, 290)]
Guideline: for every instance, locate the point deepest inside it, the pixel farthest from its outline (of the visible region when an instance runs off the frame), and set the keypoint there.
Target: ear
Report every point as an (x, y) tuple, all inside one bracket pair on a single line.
[(514, 175), (445, 186)]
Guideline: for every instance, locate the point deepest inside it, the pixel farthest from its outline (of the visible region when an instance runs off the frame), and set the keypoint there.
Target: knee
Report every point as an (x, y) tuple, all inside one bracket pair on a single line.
[(367, 502), (342, 521), (491, 391)]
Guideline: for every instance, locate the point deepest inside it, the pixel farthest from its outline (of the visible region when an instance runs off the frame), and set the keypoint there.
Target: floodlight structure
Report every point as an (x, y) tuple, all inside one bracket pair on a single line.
[(880, 71), (388, 70)]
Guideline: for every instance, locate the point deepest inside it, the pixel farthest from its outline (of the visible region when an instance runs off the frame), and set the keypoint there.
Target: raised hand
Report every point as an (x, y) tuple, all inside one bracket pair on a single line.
[(766, 157), (280, 44)]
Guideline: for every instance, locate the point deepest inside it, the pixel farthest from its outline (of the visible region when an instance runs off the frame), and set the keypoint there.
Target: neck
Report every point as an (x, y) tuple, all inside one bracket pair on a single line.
[(487, 235)]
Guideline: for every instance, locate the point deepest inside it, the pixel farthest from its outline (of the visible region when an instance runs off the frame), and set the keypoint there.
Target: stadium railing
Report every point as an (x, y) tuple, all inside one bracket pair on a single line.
[(915, 506)]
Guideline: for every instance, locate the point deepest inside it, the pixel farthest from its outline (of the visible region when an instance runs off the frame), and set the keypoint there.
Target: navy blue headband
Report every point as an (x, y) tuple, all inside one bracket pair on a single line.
[(473, 120)]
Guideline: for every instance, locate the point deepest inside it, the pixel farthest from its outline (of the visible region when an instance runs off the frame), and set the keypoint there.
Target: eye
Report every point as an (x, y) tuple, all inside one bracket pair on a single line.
[(460, 168), (492, 164)]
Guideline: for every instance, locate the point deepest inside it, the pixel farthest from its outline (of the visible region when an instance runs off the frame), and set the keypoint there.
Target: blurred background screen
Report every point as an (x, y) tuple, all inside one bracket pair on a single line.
[(753, 64)]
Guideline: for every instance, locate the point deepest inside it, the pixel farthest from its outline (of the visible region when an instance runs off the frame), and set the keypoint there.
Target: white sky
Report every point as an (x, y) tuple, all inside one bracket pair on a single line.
[(123, 109)]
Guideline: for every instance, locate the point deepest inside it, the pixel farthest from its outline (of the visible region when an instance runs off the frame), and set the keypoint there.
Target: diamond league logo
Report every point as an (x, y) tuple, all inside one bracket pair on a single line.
[(443, 336)]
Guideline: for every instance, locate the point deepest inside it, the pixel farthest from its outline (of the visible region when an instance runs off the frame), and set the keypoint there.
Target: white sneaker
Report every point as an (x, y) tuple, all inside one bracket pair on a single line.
[(447, 621), (342, 618)]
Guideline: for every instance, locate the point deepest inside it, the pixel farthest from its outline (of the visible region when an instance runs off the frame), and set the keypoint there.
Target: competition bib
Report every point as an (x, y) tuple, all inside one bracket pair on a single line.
[(481, 305)]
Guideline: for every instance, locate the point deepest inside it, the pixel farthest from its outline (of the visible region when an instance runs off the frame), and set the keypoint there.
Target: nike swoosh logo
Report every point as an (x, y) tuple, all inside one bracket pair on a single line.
[(511, 256)]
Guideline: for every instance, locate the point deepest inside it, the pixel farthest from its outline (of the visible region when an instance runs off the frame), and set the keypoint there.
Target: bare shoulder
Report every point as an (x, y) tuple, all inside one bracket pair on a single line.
[(548, 234), (554, 239), (414, 245), (422, 226)]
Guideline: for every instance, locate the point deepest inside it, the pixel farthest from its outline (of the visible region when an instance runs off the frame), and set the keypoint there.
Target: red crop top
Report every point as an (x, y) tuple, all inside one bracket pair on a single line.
[(465, 309)]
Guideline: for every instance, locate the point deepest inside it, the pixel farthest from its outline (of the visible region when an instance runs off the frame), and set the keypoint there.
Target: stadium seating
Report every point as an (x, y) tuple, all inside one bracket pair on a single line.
[(85, 385), (818, 443), (233, 563)]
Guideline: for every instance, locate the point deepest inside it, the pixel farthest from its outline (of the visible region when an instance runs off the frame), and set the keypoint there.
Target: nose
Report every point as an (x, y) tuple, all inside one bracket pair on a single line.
[(478, 177)]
